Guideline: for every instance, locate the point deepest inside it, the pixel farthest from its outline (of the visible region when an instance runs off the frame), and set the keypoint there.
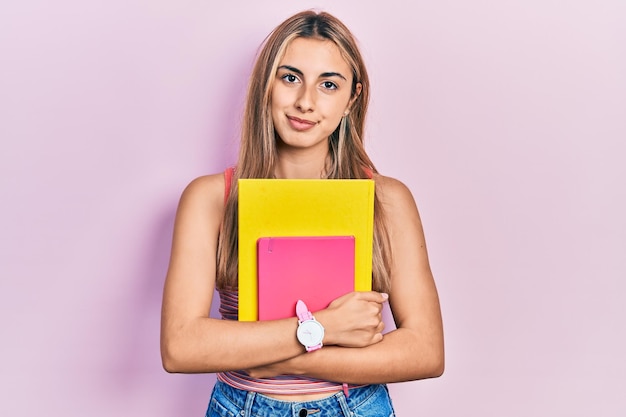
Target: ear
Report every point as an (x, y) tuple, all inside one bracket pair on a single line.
[(357, 92)]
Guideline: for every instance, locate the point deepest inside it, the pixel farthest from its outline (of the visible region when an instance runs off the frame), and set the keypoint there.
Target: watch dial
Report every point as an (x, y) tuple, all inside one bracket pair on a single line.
[(310, 333)]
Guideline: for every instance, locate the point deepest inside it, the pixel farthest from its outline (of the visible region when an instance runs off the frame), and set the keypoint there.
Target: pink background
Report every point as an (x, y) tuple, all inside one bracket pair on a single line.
[(507, 119)]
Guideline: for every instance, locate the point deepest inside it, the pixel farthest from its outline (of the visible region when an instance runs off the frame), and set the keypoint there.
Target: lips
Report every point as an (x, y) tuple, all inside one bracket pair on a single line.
[(300, 124)]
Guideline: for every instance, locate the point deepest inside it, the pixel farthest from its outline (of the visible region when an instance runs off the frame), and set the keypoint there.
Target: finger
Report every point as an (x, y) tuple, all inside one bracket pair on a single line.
[(377, 308), (377, 297), (380, 327)]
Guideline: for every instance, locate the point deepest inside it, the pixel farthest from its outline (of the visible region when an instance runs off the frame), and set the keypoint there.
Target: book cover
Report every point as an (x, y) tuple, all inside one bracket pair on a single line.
[(314, 269), (294, 207)]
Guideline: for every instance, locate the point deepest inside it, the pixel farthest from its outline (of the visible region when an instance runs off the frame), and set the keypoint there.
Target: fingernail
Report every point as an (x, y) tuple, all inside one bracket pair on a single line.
[(385, 295)]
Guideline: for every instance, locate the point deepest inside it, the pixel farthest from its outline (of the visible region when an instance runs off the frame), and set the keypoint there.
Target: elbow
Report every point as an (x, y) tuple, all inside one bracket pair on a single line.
[(437, 364), (178, 358), (423, 368), (169, 365), (437, 369), (171, 358), (427, 369), (168, 361), (431, 365), (435, 358)]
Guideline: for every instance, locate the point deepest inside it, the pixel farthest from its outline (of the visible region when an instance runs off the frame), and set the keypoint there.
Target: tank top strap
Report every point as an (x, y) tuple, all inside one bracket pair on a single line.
[(228, 179)]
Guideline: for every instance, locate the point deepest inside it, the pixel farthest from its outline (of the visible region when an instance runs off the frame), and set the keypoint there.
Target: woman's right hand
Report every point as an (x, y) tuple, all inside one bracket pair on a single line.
[(354, 319)]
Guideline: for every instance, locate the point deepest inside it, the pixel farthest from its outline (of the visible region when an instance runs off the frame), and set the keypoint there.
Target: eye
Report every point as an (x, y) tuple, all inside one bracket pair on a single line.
[(289, 78), (329, 85)]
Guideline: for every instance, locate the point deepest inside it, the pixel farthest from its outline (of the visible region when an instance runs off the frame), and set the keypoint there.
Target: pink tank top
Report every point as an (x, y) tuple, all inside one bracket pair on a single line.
[(284, 384)]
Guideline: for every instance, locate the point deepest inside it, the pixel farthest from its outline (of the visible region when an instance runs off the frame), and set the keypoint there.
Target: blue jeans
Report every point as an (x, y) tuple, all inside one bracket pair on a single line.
[(371, 400)]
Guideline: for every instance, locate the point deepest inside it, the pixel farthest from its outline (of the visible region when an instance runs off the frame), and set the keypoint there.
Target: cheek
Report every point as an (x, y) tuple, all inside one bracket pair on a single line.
[(339, 103), (335, 110), (276, 105), (281, 96)]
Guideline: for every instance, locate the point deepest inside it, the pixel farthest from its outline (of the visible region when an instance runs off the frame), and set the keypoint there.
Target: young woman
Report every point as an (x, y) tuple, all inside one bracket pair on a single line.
[(304, 118)]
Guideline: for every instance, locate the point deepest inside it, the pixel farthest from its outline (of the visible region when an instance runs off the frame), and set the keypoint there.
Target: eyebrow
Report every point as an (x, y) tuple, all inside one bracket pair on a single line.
[(322, 75)]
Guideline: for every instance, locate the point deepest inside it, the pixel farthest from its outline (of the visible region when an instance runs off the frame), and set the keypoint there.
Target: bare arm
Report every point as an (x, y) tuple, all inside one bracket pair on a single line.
[(415, 349), (190, 340), (193, 342)]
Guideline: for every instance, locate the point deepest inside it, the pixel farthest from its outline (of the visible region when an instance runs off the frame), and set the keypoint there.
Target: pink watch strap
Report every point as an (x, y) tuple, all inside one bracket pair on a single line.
[(302, 311)]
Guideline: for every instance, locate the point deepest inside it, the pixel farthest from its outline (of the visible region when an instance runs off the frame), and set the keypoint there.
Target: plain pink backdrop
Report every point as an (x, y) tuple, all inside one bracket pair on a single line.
[(507, 119)]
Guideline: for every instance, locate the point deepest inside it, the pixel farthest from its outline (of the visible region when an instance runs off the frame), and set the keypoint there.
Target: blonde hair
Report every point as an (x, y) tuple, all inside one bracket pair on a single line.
[(257, 154)]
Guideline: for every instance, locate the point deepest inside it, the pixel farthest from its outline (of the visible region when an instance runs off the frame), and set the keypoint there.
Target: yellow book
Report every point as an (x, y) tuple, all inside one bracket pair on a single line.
[(273, 208)]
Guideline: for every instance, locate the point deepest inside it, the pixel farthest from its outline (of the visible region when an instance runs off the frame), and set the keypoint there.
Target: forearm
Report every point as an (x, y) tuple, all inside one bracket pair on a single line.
[(198, 344), (212, 345), (403, 355)]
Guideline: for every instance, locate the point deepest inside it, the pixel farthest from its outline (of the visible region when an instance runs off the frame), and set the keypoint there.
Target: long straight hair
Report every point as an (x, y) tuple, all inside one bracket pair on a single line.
[(257, 153)]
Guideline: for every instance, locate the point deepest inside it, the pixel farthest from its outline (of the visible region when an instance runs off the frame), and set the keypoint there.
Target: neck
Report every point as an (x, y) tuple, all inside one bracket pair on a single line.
[(301, 166)]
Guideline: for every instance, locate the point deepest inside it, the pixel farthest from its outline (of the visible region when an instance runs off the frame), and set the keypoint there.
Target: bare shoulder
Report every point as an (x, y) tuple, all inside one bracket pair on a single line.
[(394, 194), (203, 195), (207, 188)]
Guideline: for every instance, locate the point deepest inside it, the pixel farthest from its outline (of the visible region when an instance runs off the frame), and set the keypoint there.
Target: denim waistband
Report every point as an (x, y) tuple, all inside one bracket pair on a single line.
[(262, 405)]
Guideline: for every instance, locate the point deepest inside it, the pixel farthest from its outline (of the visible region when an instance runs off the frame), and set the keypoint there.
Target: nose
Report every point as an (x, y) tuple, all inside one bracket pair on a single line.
[(305, 101)]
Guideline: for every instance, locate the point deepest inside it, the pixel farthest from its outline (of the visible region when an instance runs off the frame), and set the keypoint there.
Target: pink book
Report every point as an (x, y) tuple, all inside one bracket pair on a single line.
[(314, 269)]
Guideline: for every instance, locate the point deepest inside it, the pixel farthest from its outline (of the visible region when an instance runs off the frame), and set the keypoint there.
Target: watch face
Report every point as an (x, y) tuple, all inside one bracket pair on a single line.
[(310, 333)]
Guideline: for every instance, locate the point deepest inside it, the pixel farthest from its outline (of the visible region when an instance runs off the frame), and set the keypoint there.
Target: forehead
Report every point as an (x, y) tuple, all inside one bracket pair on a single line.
[(315, 56)]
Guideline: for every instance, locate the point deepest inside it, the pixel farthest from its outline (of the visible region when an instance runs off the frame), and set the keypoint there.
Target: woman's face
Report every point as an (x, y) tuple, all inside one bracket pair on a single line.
[(310, 94)]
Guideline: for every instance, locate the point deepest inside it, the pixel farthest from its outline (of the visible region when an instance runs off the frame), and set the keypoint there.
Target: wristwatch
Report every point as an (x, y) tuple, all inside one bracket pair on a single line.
[(310, 332)]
